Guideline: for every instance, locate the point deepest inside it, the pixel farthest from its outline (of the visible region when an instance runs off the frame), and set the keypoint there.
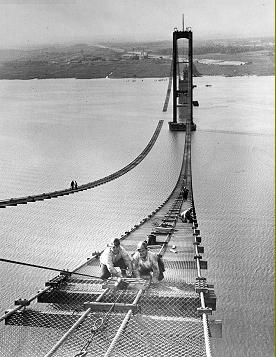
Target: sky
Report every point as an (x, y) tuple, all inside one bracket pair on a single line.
[(39, 22)]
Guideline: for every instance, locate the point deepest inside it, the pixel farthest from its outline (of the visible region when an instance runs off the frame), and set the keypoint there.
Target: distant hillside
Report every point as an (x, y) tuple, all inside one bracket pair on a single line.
[(200, 46), (141, 59)]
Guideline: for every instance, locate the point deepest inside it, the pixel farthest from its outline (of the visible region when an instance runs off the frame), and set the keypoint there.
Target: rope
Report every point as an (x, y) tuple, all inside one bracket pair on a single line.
[(97, 326), (44, 267)]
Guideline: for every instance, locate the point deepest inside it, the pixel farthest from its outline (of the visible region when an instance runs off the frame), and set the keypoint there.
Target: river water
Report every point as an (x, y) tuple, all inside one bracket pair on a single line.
[(53, 131)]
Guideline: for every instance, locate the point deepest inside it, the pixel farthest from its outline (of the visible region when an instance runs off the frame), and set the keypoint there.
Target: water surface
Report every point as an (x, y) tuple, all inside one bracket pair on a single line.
[(53, 131)]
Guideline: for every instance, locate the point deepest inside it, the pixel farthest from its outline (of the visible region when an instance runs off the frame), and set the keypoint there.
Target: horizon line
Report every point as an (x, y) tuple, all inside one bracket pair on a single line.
[(86, 42)]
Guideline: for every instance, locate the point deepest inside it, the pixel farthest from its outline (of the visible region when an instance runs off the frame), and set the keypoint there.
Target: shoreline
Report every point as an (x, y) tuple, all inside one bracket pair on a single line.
[(153, 68), (133, 78)]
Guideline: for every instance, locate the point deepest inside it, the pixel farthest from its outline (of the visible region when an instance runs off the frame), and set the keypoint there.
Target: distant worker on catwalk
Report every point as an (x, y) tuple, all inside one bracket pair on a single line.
[(186, 216), (113, 256), (185, 192), (145, 263)]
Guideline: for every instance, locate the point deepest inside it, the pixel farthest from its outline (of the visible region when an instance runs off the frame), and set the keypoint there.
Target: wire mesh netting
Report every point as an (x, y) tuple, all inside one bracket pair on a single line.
[(161, 336), (165, 321)]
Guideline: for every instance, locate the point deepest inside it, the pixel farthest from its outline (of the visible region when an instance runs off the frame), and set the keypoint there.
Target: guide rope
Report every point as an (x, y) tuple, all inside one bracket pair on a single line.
[(97, 327), (65, 272)]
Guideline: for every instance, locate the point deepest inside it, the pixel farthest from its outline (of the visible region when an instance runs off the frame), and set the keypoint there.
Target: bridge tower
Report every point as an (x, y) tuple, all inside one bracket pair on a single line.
[(182, 83)]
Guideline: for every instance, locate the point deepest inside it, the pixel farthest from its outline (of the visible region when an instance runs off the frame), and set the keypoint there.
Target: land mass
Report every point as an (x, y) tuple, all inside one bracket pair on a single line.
[(138, 60)]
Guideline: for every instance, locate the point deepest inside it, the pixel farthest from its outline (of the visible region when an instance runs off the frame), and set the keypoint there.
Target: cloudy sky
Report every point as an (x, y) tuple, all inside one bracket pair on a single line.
[(34, 22)]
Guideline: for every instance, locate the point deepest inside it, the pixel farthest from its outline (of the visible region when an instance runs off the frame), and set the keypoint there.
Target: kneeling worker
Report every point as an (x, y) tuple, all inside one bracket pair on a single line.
[(145, 263), (186, 216), (115, 256)]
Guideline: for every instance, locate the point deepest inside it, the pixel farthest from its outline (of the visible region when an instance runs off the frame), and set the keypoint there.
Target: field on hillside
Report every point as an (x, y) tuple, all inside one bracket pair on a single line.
[(139, 60)]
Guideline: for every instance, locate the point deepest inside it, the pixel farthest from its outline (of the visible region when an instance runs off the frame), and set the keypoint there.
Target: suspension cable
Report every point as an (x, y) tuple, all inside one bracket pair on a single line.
[(73, 328), (47, 268), (168, 94)]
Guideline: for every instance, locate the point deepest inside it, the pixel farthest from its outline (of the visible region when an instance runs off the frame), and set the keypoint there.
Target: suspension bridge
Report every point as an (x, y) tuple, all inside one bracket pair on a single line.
[(79, 314)]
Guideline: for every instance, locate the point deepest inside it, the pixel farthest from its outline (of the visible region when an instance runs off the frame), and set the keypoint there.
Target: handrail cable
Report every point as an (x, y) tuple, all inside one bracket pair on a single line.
[(13, 310), (123, 325), (65, 272), (73, 327), (97, 326)]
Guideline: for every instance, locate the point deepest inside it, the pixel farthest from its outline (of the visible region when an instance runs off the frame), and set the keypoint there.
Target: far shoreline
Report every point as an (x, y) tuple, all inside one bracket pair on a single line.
[(133, 78)]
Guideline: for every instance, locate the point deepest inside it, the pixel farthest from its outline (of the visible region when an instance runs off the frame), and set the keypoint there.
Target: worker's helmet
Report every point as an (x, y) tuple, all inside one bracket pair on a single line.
[(141, 245), (114, 243)]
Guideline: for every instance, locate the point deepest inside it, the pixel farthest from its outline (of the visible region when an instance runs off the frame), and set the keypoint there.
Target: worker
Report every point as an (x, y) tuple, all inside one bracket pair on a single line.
[(186, 216), (145, 263), (113, 256), (185, 193)]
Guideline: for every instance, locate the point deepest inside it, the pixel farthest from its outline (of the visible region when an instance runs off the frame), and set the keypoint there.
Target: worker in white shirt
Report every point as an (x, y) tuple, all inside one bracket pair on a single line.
[(115, 256)]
